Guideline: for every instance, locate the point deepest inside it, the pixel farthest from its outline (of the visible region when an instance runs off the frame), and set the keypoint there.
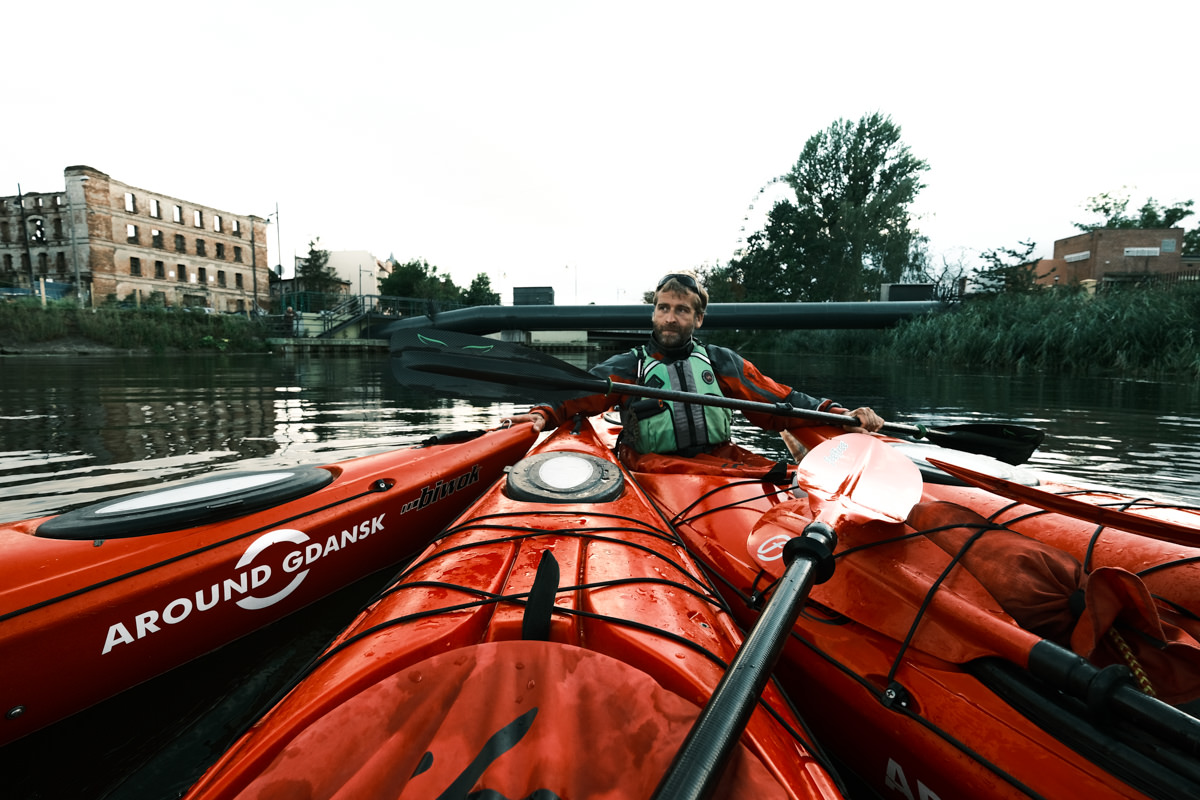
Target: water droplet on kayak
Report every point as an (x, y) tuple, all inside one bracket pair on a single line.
[(415, 677), (531, 684)]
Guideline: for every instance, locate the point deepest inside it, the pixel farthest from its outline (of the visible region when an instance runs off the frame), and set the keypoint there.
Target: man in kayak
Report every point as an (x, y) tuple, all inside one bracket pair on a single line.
[(673, 359)]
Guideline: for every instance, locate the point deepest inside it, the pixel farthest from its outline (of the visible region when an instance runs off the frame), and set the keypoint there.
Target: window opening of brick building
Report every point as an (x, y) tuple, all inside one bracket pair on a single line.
[(180, 243), (200, 251), (237, 228), (221, 250), (43, 263), (130, 203), (181, 273), (135, 266), (202, 274), (60, 261), (237, 253), (58, 228), (155, 209), (156, 238), (160, 270), (217, 223), (198, 218), (221, 278), (131, 234), (39, 230), (237, 280), (179, 214)]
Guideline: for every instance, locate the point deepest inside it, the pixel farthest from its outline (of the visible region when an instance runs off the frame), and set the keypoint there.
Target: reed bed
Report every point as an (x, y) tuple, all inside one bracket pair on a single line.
[(1133, 331)]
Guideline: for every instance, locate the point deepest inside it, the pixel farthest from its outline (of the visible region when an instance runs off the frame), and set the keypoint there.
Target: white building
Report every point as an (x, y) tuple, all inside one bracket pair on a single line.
[(361, 271)]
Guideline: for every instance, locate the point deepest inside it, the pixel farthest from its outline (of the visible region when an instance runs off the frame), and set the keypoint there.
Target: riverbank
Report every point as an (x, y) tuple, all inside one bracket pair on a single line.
[(28, 328), (70, 346), (1135, 332)]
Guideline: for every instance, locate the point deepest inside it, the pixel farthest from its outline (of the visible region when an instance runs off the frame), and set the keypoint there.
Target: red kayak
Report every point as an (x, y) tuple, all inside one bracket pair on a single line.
[(983, 647), (99, 599), (556, 642)]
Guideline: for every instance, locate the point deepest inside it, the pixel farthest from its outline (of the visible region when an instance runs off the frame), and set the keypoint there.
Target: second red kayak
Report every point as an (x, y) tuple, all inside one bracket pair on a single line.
[(99, 599)]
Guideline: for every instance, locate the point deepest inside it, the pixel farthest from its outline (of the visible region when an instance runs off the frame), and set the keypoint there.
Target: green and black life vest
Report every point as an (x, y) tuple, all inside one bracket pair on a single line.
[(667, 426)]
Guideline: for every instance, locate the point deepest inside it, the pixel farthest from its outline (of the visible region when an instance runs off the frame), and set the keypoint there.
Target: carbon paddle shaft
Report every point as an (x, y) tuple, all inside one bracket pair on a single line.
[(698, 766), (475, 358)]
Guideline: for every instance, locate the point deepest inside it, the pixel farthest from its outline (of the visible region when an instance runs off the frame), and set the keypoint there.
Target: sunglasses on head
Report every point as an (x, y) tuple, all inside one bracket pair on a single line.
[(687, 280)]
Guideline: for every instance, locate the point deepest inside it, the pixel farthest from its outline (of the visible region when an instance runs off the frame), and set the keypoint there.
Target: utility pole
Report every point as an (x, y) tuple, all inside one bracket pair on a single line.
[(279, 250)]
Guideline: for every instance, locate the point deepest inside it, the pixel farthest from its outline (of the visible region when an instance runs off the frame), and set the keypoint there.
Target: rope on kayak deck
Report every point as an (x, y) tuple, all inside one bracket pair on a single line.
[(1143, 680)]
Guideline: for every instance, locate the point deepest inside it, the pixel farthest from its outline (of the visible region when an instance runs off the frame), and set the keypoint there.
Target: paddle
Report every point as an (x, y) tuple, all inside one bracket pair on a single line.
[(461, 355), (699, 764), (1162, 529), (887, 591), (860, 490)]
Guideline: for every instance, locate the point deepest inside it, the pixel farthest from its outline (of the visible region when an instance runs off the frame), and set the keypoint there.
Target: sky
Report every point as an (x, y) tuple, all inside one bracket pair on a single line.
[(594, 147)]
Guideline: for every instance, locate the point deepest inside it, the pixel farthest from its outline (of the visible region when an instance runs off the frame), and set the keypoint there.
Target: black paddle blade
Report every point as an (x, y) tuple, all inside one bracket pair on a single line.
[(1012, 444), (474, 366)]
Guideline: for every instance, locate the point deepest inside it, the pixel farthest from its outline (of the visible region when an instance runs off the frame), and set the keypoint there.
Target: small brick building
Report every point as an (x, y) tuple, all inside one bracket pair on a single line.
[(1113, 255)]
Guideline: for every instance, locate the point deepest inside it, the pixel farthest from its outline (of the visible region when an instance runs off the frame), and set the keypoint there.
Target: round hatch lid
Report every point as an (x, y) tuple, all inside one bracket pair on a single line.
[(565, 478)]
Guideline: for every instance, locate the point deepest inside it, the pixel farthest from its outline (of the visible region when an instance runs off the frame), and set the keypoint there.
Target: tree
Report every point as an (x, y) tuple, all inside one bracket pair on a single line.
[(849, 228), (1008, 271), (1113, 210), (480, 292), (314, 273), (418, 278), (949, 280)]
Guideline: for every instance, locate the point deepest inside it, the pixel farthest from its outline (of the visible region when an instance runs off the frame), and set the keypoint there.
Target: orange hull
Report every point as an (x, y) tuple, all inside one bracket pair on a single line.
[(941, 715), (95, 601), (556, 641)]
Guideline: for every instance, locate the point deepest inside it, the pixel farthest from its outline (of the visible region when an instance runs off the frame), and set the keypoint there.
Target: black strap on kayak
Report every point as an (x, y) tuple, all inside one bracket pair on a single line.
[(778, 474), (455, 437), (535, 624)]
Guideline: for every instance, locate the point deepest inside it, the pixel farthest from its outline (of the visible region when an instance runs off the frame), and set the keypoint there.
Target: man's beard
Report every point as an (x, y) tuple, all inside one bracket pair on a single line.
[(671, 336)]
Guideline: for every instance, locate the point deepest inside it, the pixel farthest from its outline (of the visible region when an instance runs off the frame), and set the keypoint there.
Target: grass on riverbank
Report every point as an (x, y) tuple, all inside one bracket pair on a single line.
[(1135, 331), (1144, 331), (24, 323)]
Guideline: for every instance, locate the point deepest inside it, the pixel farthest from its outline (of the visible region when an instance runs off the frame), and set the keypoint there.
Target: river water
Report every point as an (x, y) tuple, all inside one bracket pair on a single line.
[(75, 430)]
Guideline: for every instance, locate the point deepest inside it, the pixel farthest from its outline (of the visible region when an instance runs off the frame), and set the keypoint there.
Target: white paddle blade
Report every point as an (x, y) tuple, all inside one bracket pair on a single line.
[(858, 477)]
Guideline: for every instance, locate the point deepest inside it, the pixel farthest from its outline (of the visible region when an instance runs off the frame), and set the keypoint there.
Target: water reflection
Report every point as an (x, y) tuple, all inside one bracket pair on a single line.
[(1136, 435), (76, 430)]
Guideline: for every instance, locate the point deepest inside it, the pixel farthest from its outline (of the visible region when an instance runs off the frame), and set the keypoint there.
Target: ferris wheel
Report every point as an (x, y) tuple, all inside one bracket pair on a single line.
[(759, 208)]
